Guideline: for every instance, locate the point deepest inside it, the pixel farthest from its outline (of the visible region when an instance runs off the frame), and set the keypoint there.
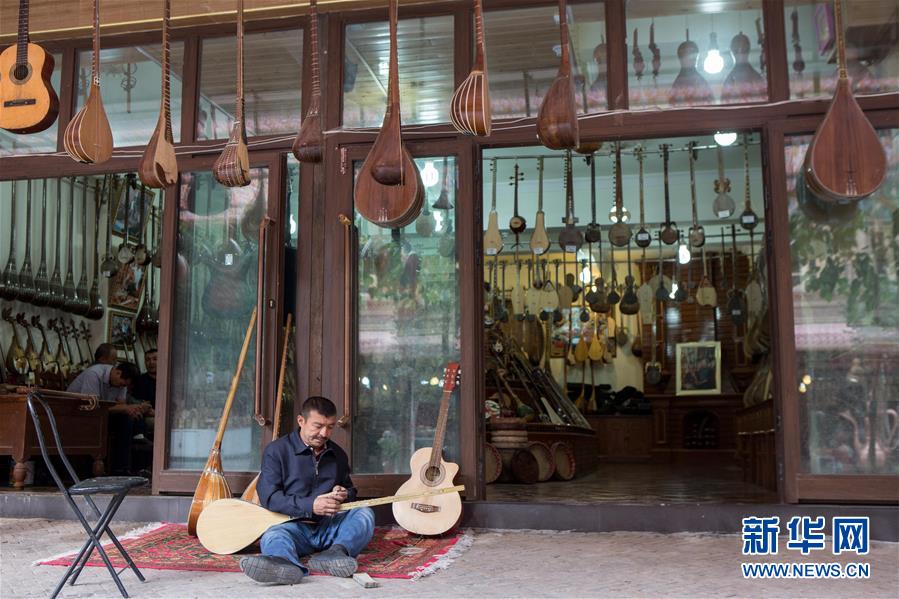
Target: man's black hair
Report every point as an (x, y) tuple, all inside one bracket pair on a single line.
[(128, 371), (317, 403), (103, 351)]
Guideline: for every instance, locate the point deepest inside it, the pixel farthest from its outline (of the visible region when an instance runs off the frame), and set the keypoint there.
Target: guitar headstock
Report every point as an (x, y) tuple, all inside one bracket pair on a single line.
[(452, 376)]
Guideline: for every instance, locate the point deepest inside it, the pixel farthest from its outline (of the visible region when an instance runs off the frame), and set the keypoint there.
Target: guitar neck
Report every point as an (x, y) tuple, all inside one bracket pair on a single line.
[(397, 498), (22, 39), (440, 433)]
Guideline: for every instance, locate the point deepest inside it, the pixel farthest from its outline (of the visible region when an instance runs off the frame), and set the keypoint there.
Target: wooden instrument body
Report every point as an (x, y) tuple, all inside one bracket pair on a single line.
[(449, 505), (389, 206), (557, 125), (845, 161), (308, 146), (539, 239), (159, 166), (470, 110), (28, 105), (88, 137), (212, 486), (232, 167)]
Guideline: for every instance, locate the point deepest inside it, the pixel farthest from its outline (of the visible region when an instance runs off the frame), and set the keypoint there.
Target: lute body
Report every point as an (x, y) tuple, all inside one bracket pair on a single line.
[(470, 110), (557, 125)]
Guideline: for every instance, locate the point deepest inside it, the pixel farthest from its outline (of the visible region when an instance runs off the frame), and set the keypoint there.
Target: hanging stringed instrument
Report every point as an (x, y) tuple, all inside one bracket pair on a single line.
[(95, 308), (620, 232), (748, 219), (82, 294), (309, 143), (28, 103), (9, 280), (669, 233), (493, 239), (42, 295), (158, 166), (570, 238), (539, 241), (517, 223), (389, 191), (845, 161), (642, 238), (87, 137), (723, 206), (434, 514), (232, 167), (557, 125), (470, 110), (697, 232), (26, 278), (212, 484)]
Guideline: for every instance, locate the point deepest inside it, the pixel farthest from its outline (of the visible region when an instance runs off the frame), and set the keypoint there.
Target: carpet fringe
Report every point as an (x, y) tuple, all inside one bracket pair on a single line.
[(446, 559), (141, 530)]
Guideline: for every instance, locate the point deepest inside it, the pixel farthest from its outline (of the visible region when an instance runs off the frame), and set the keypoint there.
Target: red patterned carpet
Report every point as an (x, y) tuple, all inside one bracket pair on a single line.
[(392, 553)]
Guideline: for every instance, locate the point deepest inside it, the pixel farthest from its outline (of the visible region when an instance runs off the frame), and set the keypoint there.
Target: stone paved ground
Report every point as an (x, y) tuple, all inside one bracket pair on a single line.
[(499, 564)]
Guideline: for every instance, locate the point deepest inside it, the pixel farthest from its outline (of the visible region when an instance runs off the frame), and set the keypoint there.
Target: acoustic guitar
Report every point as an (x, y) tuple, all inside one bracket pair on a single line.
[(232, 167), (228, 525), (88, 137), (470, 110), (158, 166), (434, 514), (309, 143), (28, 103)]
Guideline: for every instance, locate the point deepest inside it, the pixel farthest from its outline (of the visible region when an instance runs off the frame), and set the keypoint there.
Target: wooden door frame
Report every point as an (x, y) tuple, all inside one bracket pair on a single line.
[(340, 186), (795, 485)]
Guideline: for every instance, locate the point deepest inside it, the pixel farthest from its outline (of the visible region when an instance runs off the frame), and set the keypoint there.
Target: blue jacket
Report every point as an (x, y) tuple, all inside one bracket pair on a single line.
[(292, 478)]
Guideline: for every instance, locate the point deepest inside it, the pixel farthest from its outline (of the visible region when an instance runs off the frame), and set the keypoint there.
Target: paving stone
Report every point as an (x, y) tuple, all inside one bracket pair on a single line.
[(499, 564)]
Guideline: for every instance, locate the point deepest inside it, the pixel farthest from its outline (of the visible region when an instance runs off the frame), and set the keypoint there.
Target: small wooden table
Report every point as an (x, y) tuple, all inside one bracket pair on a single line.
[(82, 428)]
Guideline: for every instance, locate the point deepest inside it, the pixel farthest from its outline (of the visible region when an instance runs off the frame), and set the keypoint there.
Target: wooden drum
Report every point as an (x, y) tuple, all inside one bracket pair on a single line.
[(546, 461), (493, 463), (563, 455), (519, 465)]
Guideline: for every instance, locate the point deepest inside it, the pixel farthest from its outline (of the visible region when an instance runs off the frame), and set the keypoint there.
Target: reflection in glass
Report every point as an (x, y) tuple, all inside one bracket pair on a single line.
[(425, 56), (215, 292), (695, 59), (131, 80), (846, 310), (272, 88), (45, 141), (408, 329), (523, 54), (872, 50)]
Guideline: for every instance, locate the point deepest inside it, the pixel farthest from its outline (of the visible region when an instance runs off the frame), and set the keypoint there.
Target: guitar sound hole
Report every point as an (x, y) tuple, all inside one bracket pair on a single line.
[(432, 473), (21, 72)]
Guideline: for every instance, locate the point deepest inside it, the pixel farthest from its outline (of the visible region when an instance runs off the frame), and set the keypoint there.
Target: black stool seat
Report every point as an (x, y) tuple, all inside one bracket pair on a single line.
[(107, 484)]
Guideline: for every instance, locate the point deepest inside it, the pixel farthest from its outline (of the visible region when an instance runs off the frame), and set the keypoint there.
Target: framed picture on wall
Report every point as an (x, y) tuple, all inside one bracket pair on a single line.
[(126, 287), (120, 328), (698, 368)]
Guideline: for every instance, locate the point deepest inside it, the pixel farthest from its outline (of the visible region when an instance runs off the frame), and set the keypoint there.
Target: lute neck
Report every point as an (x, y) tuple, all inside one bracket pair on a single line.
[(313, 41), (166, 67), (95, 59), (479, 54), (240, 100)]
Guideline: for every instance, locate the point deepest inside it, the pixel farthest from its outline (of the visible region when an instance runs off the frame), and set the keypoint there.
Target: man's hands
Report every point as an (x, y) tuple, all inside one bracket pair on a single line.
[(329, 503), (134, 411)]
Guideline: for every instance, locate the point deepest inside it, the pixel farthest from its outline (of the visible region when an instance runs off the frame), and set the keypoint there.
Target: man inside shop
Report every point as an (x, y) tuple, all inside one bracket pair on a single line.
[(307, 476), (106, 354)]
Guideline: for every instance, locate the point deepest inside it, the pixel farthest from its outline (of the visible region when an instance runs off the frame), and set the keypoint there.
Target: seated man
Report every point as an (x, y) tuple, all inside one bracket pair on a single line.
[(125, 420), (144, 388), (306, 475)]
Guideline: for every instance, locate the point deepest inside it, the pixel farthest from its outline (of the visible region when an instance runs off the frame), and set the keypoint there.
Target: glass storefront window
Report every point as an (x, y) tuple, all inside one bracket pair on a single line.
[(705, 54), (131, 82), (872, 51), (45, 141), (425, 56), (523, 53), (215, 292), (408, 329), (273, 67), (846, 311)]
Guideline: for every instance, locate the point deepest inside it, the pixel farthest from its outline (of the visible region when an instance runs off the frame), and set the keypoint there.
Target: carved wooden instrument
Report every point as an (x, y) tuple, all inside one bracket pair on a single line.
[(798, 63), (42, 295), (82, 295), (110, 265), (31, 353), (748, 219), (845, 161), (125, 254), (49, 367), (228, 525), (28, 102), (249, 494), (639, 64), (389, 191), (87, 137), (630, 303), (232, 167), (26, 278), (557, 125), (760, 40), (493, 239), (213, 485), (653, 369), (16, 362), (470, 110), (697, 232), (669, 232), (517, 223), (706, 295), (539, 239), (309, 144), (620, 232), (736, 302), (141, 254), (95, 308), (158, 166), (570, 238), (655, 51), (642, 238), (592, 232), (724, 205), (435, 514), (9, 280)]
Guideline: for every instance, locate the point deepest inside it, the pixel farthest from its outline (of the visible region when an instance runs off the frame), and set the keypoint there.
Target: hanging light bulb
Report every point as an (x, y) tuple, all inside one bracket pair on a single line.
[(713, 63), (429, 174), (683, 254), (438, 220), (725, 138), (613, 214), (586, 275), (674, 288)]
